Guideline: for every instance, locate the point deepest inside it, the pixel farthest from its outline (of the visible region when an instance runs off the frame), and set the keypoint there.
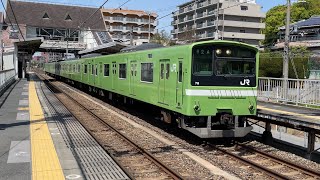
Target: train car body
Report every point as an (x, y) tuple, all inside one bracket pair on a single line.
[(208, 88)]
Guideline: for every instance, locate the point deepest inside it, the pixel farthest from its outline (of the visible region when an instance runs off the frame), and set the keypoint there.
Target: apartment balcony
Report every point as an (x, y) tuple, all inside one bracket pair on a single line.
[(200, 25), (126, 20), (174, 31), (237, 35), (243, 24)]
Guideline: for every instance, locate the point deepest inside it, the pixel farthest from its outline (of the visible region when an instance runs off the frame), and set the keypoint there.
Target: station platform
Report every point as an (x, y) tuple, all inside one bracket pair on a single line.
[(295, 115), (40, 139)]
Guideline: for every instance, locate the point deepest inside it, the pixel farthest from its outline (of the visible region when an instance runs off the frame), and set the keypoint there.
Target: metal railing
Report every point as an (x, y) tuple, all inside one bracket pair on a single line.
[(299, 91), (6, 77)]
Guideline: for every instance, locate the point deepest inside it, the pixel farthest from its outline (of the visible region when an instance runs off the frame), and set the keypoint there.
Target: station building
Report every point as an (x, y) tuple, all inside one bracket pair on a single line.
[(235, 20), (56, 29)]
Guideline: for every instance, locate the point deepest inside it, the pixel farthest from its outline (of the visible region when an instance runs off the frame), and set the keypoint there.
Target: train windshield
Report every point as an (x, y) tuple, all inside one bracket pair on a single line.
[(234, 67), (211, 65)]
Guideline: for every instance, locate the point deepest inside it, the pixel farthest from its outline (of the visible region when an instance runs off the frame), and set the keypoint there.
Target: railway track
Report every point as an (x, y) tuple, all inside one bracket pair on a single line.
[(137, 161), (261, 162), (266, 163)]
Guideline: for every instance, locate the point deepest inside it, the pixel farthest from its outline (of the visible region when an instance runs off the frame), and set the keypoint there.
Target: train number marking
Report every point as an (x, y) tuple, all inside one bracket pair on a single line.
[(245, 82)]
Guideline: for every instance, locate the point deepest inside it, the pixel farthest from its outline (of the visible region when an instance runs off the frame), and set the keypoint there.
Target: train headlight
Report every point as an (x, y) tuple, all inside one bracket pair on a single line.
[(218, 51), (228, 52)]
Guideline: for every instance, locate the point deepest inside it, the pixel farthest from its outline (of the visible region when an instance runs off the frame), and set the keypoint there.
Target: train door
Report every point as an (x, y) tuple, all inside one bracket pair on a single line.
[(91, 73), (100, 74), (179, 84), (114, 75), (163, 81), (133, 76)]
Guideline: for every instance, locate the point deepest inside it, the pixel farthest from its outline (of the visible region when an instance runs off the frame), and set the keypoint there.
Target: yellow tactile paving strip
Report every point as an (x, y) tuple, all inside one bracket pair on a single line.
[(289, 113), (45, 161)]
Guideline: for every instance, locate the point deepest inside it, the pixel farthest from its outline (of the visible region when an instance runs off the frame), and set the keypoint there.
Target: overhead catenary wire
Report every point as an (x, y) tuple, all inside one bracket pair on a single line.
[(8, 17), (15, 18)]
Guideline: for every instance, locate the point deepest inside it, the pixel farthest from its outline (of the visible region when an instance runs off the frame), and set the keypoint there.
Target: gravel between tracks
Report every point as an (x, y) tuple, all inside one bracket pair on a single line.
[(181, 163)]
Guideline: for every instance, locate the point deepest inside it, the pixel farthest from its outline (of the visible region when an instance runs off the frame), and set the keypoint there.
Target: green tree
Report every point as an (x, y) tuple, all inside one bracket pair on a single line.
[(162, 38), (276, 16), (271, 63)]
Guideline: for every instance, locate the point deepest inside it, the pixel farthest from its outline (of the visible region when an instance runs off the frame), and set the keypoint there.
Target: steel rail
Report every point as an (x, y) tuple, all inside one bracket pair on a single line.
[(257, 166), (290, 164), (147, 154)]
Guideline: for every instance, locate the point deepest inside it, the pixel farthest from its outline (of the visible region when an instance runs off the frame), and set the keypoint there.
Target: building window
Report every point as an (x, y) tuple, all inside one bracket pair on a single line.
[(106, 69), (147, 72), (68, 18), (244, 8), (122, 71), (45, 16)]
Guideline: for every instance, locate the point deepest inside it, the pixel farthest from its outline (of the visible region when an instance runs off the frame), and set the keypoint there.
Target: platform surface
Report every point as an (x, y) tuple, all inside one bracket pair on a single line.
[(40, 139), (290, 112)]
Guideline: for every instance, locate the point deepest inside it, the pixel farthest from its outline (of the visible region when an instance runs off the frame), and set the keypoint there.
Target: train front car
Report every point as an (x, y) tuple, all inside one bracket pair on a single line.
[(222, 90)]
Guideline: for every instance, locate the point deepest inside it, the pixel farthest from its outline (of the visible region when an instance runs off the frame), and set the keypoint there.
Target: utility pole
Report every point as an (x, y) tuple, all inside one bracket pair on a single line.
[(194, 20), (149, 27), (216, 36), (1, 44), (67, 50), (286, 58), (131, 36)]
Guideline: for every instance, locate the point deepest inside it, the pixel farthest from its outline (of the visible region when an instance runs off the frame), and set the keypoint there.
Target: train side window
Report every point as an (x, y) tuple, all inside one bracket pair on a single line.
[(147, 72), (85, 69), (92, 69), (180, 72), (168, 71), (106, 69), (96, 70), (122, 71), (78, 68), (162, 71)]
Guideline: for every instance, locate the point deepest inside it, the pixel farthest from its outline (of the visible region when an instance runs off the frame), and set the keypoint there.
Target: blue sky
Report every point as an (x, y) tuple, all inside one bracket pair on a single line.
[(161, 7)]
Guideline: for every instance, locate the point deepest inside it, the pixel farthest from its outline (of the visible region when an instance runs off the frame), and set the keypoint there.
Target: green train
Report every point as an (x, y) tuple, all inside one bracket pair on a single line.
[(208, 88)]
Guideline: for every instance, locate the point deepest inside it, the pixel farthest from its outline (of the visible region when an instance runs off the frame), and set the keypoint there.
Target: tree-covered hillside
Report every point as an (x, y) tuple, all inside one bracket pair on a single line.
[(276, 16)]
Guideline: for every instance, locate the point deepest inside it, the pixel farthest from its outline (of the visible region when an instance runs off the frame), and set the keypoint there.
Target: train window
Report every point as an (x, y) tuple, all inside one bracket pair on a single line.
[(168, 71), (122, 71), (202, 61), (147, 72), (78, 68), (92, 69), (106, 69), (96, 70), (100, 68), (85, 69), (180, 72), (162, 71)]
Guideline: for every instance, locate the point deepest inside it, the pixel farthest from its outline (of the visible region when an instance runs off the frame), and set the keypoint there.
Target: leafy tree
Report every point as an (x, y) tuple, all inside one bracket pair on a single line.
[(271, 63), (162, 38), (276, 17)]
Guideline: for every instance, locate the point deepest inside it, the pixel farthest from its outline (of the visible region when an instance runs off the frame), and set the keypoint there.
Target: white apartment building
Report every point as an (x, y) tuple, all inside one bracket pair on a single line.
[(120, 22), (238, 20)]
